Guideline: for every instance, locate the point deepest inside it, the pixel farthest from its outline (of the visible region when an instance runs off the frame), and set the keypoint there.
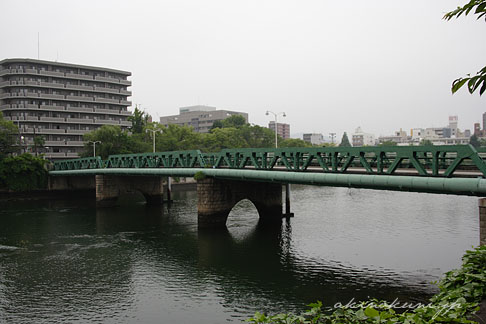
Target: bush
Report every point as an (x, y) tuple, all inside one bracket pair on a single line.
[(23, 172)]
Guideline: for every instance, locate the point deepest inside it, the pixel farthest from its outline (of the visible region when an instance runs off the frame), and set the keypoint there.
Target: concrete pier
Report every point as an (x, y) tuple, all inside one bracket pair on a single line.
[(217, 197), (110, 187), (482, 221)]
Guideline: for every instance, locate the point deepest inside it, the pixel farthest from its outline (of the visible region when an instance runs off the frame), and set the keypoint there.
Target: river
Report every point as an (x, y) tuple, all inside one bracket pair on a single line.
[(63, 260)]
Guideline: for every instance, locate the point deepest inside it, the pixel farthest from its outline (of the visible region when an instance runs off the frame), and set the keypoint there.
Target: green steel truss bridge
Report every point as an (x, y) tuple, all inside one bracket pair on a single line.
[(459, 169)]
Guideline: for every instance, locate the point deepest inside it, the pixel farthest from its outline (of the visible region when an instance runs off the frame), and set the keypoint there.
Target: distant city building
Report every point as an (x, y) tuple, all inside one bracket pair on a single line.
[(313, 138), (450, 135), (360, 138), (200, 118), (283, 130), (61, 102), (484, 121), (453, 121)]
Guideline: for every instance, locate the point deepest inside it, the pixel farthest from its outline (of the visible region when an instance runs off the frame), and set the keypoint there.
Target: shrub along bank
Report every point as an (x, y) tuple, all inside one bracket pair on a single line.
[(22, 173), (460, 293)]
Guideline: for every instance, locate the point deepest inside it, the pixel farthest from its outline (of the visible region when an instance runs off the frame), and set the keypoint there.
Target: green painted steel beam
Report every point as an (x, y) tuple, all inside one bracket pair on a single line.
[(455, 186)]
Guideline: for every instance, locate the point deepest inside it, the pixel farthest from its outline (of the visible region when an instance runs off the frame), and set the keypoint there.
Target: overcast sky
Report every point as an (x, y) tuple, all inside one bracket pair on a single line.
[(330, 65)]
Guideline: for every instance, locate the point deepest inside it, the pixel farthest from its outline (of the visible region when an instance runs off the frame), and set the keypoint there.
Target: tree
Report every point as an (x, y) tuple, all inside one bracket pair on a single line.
[(113, 141), (426, 142), (388, 143), (478, 7), (139, 120), (294, 142), (345, 141), (474, 141), (235, 121), (39, 142), (9, 133)]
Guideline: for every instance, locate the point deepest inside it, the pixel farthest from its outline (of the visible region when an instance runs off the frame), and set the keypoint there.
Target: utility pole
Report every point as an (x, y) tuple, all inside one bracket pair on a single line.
[(276, 127)]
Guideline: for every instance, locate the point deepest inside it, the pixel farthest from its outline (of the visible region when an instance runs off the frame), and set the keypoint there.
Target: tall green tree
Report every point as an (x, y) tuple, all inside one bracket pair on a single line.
[(345, 141), (474, 141), (9, 134), (139, 121), (113, 141), (477, 7)]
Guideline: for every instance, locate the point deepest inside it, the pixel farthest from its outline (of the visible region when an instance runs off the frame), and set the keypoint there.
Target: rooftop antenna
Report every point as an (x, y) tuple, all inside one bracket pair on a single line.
[(38, 46)]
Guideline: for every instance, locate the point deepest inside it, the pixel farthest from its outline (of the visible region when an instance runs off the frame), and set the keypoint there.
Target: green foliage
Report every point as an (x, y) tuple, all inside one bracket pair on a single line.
[(39, 142), (235, 121), (478, 7), (474, 141), (345, 141), (23, 172), (139, 120), (199, 176), (460, 293), (426, 142), (114, 141), (8, 136), (294, 142), (388, 143)]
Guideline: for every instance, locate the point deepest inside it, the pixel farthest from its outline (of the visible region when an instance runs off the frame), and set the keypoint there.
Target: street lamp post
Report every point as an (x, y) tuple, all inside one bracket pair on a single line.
[(332, 137), (276, 115), (287, 185), (153, 135), (94, 147)]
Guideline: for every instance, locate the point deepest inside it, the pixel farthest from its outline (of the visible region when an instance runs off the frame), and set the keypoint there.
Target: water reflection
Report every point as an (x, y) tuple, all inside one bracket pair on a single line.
[(66, 261)]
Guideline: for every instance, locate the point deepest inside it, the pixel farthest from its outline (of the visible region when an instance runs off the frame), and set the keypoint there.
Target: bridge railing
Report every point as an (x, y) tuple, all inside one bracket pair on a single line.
[(438, 161)]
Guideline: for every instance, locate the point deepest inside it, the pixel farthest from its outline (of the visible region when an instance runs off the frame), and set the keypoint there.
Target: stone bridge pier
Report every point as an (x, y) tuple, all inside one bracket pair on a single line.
[(110, 187), (217, 197)]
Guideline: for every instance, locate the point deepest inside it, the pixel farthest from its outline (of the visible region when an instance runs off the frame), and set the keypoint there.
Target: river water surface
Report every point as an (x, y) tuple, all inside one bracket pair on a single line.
[(66, 261)]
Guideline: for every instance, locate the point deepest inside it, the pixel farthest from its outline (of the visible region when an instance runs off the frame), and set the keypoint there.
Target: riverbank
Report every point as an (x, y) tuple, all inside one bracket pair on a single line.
[(78, 193)]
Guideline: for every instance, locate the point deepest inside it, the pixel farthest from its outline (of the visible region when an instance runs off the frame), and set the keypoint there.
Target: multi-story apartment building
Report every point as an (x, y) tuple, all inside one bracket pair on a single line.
[(360, 138), (61, 102), (313, 138), (200, 118), (283, 130)]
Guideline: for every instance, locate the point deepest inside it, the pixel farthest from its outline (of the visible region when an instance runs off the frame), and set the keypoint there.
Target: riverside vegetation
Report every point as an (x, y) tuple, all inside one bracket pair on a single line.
[(460, 293)]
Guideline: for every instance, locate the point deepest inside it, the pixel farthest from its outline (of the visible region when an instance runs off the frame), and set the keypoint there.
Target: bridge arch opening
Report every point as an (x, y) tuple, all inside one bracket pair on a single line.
[(242, 219)]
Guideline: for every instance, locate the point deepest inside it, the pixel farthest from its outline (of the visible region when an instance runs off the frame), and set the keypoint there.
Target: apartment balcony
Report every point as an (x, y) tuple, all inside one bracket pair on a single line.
[(32, 118), (107, 100), (51, 85), (107, 111), (52, 119), (75, 143), (125, 102), (79, 87), (79, 109), (54, 108), (125, 113), (51, 96), (79, 120), (126, 82), (78, 76), (51, 131), (106, 90), (51, 73), (54, 143), (77, 131), (125, 92), (106, 122), (105, 79), (125, 123)]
